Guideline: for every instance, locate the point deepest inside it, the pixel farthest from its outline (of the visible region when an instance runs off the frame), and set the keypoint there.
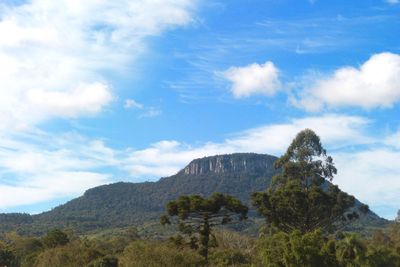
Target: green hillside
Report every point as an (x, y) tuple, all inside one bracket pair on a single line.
[(126, 204)]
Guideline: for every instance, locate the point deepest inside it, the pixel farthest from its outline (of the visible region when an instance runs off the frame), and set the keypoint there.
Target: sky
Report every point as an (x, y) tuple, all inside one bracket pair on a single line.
[(94, 92)]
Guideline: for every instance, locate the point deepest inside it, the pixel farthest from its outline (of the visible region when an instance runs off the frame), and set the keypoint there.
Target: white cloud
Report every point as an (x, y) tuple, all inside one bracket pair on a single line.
[(47, 188), (376, 83), (46, 167), (254, 79), (53, 53), (147, 112), (131, 103), (372, 175), (53, 57), (393, 140), (85, 99)]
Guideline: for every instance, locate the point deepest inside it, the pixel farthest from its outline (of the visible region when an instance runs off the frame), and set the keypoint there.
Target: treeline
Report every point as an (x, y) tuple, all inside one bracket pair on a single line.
[(314, 249)]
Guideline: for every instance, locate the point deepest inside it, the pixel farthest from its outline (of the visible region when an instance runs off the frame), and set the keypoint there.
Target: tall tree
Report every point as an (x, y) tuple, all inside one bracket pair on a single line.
[(301, 197), (196, 216)]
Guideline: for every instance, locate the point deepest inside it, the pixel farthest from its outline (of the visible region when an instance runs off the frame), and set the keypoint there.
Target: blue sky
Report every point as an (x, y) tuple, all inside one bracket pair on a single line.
[(95, 92)]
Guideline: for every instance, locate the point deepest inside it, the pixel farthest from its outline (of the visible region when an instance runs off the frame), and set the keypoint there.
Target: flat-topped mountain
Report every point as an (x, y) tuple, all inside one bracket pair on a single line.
[(124, 204)]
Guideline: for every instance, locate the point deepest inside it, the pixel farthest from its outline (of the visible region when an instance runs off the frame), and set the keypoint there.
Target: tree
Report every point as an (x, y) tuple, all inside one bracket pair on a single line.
[(55, 238), (312, 249), (196, 216), (7, 258), (351, 251), (301, 197)]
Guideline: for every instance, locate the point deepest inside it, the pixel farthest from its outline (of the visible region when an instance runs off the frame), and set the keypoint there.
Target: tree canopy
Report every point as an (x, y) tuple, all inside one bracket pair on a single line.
[(196, 216), (301, 197)]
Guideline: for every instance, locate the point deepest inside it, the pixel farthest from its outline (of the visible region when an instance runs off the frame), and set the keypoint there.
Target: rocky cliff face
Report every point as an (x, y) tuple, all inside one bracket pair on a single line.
[(240, 162)]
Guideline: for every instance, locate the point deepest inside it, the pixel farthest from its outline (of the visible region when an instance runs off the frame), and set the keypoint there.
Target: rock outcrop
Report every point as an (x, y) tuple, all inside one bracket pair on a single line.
[(240, 162)]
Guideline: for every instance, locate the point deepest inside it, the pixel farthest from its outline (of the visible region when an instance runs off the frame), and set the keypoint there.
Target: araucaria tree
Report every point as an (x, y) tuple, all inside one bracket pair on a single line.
[(301, 197), (196, 216)]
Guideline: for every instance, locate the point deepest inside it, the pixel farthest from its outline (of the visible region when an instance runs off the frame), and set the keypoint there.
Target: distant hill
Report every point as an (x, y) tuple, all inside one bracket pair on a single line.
[(125, 204)]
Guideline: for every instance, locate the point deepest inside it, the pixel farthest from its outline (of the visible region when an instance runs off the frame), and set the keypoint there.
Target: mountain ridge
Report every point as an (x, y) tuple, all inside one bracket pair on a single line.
[(124, 204)]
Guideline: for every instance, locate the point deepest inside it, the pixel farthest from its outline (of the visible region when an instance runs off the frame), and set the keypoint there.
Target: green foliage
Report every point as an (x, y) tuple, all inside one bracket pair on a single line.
[(351, 251), (71, 255), (198, 215), (294, 249), (234, 249), (145, 254), (107, 261), (7, 258), (55, 238), (229, 257), (301, 197), (25, 249)]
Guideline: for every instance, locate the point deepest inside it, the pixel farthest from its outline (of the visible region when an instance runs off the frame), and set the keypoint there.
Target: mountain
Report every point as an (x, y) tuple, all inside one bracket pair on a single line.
[(124, 204)]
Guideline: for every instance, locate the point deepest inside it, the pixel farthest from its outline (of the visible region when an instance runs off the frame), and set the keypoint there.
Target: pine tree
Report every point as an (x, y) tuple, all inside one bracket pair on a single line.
[(301, 197), (196, 216)]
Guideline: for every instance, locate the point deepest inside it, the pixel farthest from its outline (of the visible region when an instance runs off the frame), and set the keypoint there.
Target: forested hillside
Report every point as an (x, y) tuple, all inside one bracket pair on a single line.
[(126, 204)]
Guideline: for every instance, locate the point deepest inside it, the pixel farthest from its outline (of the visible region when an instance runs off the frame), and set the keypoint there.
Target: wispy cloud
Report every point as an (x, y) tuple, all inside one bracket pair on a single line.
[(151, 112), (44, 167), (393, 2), (53, 53), (131, 103)]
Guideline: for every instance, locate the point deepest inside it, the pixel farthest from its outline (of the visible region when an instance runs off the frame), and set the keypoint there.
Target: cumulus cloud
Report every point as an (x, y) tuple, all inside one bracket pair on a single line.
[(376, 83), (53, 53), (254, 79)]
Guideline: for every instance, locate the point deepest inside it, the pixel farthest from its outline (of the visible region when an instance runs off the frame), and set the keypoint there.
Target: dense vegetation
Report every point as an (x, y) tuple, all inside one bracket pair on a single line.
[(197, 216), (271, 248), (300, 197)]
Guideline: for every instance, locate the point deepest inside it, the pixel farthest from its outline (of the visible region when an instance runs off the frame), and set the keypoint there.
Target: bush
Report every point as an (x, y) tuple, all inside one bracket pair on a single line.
[(72, 255), (107, 261), (147, 254), (294, 249), (55, 238), (228, 257)]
